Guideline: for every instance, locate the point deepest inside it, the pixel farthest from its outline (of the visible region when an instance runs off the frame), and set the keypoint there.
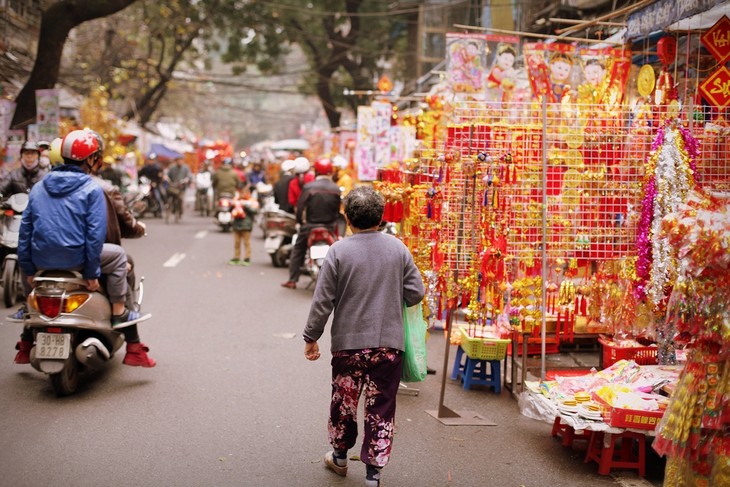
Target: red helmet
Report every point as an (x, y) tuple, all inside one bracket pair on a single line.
[(323, 167), (79, 145)]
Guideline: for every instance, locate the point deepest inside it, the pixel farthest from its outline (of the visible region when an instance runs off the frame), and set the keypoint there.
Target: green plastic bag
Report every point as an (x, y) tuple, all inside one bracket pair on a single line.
[(414, 332)]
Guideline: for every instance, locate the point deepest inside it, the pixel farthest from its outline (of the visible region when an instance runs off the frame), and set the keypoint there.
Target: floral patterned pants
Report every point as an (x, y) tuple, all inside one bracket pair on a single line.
[(377, 372)]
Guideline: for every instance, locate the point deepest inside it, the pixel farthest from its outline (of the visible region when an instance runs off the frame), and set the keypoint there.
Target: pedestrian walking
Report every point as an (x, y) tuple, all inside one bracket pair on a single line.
[(245, 208), (366, 279)]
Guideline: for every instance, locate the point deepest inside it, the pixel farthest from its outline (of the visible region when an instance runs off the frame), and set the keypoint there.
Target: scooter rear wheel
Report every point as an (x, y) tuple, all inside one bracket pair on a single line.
[(66, 382)]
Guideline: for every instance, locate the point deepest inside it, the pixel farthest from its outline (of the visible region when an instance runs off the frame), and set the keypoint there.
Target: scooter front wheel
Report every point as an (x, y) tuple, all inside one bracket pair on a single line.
[(11, 282), (66, 382)]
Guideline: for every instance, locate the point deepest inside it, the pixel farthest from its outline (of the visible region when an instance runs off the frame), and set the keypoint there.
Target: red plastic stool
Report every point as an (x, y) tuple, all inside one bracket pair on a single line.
[(603, 450), (567, 433)]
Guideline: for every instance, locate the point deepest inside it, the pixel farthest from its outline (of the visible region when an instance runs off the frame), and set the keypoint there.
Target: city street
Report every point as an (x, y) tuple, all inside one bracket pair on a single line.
[(233, 402)]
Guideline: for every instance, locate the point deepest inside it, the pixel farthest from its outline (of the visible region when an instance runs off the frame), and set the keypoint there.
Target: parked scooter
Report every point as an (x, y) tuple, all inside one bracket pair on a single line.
[(71, 328), (280, 227), (12, 209), (223, 208)]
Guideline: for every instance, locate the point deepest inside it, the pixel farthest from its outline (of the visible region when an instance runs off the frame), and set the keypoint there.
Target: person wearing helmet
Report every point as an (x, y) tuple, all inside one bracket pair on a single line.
[(340, 176), (179, 177), (225, 179), (302, 176), (54, 152), (23, 178), (64, 226), (110, 173), (256, 175), (239, 167), (318, 206), (281, 187), (153, 171), (44, 160)]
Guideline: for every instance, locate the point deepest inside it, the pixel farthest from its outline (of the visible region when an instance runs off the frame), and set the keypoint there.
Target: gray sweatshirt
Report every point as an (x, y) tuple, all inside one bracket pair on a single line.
[(365, 279)]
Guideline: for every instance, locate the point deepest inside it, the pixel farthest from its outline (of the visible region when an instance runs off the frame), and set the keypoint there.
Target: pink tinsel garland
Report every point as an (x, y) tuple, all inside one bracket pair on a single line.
[(643, 240)]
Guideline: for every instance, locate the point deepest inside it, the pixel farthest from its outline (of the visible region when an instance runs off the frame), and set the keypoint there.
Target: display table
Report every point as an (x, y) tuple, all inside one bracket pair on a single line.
[(612, 440)]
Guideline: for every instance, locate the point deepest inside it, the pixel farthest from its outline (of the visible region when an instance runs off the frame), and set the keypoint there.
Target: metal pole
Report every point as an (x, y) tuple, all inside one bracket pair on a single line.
[(543, 292)]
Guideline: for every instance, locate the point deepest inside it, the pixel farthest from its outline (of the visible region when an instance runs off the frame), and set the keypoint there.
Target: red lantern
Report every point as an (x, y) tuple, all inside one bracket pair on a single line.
[(666, 49)]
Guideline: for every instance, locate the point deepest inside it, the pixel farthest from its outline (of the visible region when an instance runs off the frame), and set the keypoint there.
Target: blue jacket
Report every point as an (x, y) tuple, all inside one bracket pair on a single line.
[(64, 225)]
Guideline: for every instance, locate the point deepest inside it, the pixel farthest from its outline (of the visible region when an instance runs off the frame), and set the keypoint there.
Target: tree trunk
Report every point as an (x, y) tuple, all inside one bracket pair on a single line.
[(56, 23)]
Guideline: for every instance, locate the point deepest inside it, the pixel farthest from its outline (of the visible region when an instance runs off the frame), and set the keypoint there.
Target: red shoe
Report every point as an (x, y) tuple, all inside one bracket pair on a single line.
[(23, 356), (137, 356), (289, 284)]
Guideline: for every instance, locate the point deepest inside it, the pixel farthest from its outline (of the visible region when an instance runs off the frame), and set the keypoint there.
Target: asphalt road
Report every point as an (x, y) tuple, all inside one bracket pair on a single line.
[(233, 402)]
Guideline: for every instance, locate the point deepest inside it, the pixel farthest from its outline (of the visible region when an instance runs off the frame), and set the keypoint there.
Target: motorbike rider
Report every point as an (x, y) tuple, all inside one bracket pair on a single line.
[(44, 160), (340, 176), (153, 171), (281, 187), (22, 179), (302, 176), (318, 206), (65, 226), (239, 167), (179, 177), (110, 172), (121, 224), (225, 179), (204, 186), (256, 175)]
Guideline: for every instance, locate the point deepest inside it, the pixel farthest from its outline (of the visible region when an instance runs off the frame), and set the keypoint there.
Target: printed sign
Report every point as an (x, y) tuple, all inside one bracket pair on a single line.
[(717, 40), (48, 113), (716, 88)]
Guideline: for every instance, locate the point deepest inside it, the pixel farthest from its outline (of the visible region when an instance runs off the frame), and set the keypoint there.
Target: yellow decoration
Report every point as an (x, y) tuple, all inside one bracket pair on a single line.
[(646, 80)]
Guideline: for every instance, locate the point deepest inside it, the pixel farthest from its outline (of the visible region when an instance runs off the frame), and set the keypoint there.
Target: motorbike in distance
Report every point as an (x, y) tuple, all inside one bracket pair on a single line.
[(72, 327), (12, 214), (279, 228), (140, 198), (223, 208), (319, 241)]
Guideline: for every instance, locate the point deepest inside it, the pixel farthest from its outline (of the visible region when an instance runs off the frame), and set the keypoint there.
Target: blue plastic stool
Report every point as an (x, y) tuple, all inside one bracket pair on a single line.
[(474, 371), (458, 369)]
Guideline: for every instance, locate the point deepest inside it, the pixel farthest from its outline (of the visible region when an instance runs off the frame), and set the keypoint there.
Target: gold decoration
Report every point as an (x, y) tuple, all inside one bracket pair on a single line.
[(646, 80)]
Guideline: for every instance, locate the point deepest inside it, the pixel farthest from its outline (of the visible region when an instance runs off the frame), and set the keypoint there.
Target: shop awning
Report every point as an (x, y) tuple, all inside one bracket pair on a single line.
[(163, 152), (664, 13), (290, 144)]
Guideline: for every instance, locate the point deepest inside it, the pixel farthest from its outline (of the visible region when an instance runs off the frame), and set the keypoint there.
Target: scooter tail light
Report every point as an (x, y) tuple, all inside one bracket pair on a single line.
[(49, 306), (73, 302), (9, 213)]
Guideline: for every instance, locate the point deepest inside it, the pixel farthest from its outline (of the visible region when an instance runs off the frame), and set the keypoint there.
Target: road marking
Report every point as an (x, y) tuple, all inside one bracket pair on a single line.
[(174, 260), (201, 234)]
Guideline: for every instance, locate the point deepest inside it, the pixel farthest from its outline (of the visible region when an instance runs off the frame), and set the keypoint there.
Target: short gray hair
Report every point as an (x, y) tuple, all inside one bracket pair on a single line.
[(364, 207)]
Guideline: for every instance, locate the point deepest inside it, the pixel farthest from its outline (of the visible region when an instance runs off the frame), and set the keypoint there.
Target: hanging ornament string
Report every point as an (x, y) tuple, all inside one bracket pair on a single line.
[(670, 175)]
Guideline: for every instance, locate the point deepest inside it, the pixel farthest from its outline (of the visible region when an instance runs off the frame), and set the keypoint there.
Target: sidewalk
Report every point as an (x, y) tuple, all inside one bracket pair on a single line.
[(518, 451)]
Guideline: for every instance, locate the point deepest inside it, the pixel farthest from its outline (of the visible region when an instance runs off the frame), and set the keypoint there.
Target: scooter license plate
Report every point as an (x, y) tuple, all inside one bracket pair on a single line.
[(272, 244), (52, 345), (224, 217), (318, 251)]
